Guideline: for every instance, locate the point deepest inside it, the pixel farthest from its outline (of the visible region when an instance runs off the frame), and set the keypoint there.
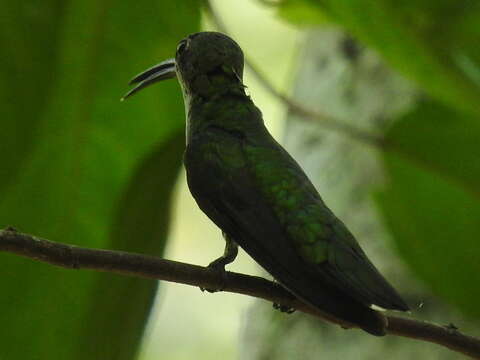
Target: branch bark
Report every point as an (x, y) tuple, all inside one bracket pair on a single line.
[(74, 257)]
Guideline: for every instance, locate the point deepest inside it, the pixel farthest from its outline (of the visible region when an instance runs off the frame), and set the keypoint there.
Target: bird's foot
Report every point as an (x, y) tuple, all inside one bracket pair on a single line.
[(217, 266), (284, 308)]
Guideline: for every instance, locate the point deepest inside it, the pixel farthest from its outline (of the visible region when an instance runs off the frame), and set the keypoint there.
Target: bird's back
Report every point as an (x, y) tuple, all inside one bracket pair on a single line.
[(320, 238), (256, 192)]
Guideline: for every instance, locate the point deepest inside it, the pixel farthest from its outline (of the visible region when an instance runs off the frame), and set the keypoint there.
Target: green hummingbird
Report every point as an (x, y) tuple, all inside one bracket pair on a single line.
[(259, 196)]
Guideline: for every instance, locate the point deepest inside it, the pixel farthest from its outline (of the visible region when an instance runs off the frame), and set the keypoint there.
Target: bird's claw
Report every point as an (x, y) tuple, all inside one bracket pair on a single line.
[(284, 308), (217, 266)]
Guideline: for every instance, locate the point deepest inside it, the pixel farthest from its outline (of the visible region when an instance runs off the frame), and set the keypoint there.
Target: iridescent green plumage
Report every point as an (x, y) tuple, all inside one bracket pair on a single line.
[(259, 196)]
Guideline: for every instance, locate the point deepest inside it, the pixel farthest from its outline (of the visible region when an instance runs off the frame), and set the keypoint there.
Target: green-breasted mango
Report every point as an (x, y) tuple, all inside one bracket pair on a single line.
[(259, 196)]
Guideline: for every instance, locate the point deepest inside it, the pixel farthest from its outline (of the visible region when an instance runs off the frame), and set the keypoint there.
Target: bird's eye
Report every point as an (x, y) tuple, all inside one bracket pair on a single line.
[(181, 46)]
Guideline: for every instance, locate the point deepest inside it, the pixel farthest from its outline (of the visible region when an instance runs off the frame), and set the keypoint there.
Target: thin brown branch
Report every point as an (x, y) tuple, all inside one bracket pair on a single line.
[(74, 257), (295, 107)]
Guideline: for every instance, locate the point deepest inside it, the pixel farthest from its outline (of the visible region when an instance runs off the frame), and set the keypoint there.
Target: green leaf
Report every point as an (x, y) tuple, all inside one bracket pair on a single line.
[(433, 42), (301, 12), (70, 163), (432, 203), (141, 225), (442, 140), (25, 81)]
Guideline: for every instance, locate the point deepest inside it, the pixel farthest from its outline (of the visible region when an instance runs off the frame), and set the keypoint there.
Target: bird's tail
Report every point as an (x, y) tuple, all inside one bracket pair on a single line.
[(373, 322)]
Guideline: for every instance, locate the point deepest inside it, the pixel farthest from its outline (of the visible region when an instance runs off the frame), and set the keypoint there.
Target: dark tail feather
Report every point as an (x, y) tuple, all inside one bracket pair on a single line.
[(373, 322), (334, 303)]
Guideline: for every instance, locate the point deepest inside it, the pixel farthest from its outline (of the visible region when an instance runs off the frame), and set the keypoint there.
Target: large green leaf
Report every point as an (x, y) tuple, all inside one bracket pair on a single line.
[(27, 68), (435, 42), (122, 305), (67, 176), (301, 12), (432, 202), (443, 141)]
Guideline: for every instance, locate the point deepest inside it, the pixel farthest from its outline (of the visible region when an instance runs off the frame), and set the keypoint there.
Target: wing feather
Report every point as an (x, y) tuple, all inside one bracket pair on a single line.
[(221, 179)]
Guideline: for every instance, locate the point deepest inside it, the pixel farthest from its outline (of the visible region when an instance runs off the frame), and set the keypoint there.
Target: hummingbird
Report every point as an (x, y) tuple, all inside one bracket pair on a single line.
[(259, 196)]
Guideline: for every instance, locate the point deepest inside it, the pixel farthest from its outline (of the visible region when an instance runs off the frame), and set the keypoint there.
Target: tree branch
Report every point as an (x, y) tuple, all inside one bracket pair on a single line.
[(74, 257)]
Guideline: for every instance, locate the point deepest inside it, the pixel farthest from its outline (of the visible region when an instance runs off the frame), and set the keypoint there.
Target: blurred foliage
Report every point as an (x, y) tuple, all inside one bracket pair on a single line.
[(431, 201), (80, 167), (433, 42), (442, 140), (302, 13), (121, 305)]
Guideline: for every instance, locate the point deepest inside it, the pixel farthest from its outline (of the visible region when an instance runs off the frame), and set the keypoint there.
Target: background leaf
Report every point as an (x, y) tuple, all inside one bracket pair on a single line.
[(122, 305), (433, 42), (432, 201), (301, 12), (25, 32), (82, 146)]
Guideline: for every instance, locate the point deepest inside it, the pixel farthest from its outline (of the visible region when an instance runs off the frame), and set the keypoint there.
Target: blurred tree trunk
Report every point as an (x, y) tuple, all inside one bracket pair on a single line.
[(340, 78)]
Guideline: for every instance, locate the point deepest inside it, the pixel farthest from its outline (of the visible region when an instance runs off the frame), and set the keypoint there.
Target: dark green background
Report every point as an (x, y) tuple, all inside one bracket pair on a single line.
[(79, 166)]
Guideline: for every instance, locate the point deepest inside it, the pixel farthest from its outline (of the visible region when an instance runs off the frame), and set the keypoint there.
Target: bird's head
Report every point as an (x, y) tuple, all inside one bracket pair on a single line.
[(205, 63)]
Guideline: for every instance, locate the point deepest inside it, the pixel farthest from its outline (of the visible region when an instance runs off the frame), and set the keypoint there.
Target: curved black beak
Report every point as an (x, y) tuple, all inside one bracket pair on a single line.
[(162, 71)]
